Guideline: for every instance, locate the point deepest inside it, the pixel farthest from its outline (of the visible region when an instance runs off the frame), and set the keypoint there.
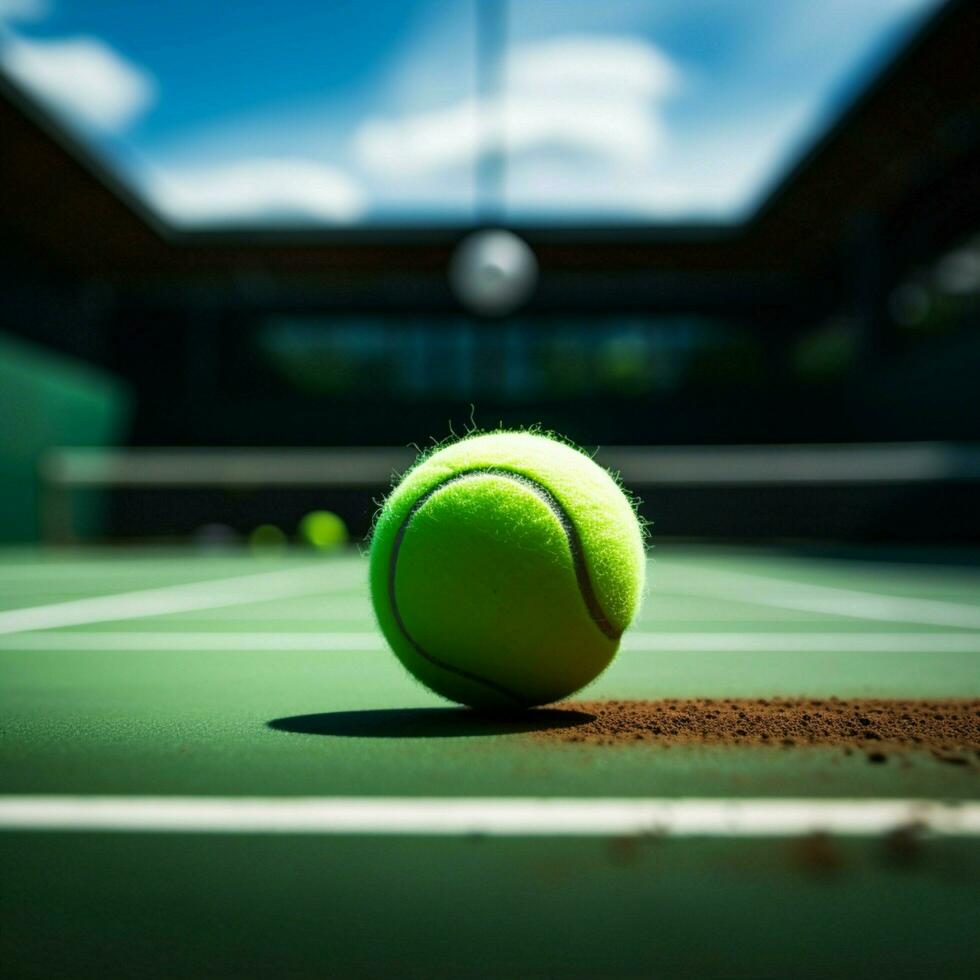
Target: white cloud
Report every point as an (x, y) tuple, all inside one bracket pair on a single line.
[(717, 171), (589, 65), (24, 9), (593, 95), (256, 188), (423, 142), (83, 78)]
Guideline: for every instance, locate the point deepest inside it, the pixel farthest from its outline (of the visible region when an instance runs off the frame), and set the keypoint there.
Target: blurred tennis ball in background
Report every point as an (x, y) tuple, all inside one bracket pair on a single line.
[(505, 568), (267, 539), (323, 530)]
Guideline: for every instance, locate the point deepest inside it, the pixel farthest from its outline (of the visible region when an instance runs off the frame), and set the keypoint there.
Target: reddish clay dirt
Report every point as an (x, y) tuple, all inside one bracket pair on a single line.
[(948, 729)]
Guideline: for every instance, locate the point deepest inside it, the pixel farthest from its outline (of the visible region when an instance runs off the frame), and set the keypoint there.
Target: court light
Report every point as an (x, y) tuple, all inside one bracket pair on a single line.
[(493, 272)]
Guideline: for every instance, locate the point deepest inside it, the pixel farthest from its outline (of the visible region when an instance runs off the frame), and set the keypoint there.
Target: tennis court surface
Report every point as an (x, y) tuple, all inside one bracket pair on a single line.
[(211, 765)]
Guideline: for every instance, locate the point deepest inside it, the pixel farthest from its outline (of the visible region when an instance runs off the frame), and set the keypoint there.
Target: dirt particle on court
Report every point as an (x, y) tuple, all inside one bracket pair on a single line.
[(903, 847), (817, 853), (949, 729)]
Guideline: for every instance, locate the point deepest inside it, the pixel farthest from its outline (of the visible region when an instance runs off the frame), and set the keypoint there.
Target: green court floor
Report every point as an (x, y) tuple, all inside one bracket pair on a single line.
[(131, 674)]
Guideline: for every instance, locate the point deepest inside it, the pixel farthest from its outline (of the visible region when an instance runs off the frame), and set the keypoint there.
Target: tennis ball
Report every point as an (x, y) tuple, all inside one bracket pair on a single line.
[(323, 530), (505, 568), (267, 539)]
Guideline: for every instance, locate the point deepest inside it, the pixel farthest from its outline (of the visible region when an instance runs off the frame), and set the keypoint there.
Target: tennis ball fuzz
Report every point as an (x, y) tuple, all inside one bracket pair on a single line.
[(505, 568)]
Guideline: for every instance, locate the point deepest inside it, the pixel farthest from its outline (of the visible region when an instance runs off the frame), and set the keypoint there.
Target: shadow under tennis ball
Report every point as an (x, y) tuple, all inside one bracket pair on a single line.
[(428, 722)]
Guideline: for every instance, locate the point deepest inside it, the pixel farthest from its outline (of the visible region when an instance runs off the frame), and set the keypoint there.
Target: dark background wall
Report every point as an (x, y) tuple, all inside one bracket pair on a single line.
[(827, 317)]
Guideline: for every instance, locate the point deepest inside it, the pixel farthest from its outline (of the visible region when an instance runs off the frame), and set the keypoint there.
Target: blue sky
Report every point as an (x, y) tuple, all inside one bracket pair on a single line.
[(349, 113)]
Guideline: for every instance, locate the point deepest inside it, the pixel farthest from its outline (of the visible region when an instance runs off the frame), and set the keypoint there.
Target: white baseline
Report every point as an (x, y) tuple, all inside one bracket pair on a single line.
[(506, 817), (370, 641)]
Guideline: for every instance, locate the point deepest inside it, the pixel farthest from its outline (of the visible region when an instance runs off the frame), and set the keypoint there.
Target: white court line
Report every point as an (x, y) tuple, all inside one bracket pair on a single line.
[(506, 817), (804, 642), (235, 591), (637, 642), (85, 640), (762, 590)]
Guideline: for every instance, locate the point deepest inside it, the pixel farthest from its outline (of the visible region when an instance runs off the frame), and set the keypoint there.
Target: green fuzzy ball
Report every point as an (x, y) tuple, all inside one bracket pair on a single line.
[(505, 568)]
